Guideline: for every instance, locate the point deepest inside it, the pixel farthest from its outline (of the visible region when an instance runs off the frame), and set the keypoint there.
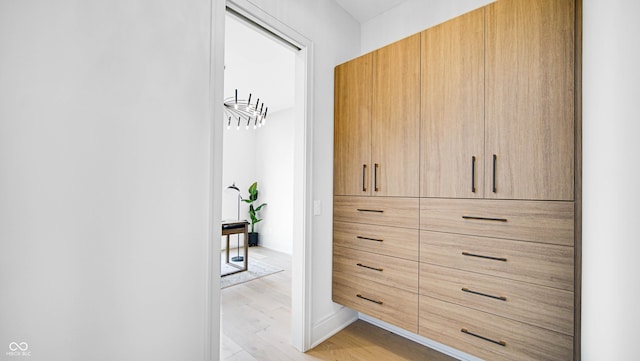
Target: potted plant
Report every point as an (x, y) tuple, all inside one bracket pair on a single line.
[(253, 212)]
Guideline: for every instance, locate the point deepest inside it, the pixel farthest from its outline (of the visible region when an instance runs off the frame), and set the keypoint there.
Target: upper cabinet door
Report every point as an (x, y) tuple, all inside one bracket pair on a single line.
[(530, 99), (396, 119), (352, 127), (452, 134)]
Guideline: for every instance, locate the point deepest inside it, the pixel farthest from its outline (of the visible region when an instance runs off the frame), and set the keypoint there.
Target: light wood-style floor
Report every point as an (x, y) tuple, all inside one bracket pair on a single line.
[(256, 325)]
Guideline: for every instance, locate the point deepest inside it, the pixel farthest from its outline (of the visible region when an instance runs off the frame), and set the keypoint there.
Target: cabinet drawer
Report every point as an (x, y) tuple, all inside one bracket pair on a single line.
[(541, 306), (545, 222), (488, 336), (384, 211), (396, 242), (393, 305), (396, 272), (538, 263)]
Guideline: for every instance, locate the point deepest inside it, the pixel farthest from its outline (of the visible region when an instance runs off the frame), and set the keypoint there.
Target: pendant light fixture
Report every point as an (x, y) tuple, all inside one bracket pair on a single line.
[(241, 112)]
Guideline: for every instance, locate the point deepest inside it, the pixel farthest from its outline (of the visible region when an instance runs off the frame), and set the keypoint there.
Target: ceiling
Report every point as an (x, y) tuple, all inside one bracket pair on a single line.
[(363, 10), (258, 64)]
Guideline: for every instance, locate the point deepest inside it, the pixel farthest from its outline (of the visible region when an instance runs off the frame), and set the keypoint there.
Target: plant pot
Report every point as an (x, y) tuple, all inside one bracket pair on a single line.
[(253, 239)]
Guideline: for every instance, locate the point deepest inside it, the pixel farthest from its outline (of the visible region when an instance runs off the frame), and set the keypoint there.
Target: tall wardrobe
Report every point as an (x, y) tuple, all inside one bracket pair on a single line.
[(457, 182)]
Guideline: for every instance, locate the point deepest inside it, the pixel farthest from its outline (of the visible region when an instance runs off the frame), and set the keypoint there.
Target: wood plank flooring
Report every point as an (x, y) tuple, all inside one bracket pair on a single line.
[(256, 325)]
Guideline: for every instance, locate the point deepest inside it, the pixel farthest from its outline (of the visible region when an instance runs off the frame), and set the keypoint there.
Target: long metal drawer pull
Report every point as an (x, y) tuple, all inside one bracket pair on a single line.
[(482, 256), (370, 210), (370, 239), (375, 177), (473, 174), (368, 299), (485, 218), (501, 298), (501, 343), (364, 172), (369, 267)]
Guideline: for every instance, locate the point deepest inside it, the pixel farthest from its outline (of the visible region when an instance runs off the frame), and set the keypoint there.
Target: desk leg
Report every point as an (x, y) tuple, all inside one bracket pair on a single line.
[(246, 247), (227, 249)]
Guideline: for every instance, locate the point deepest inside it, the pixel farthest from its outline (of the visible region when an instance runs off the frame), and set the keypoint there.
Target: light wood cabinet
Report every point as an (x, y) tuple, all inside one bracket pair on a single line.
[(375, 257), (529, 114), (377, 122), (387, 211), (390, 304), (534, 221), (489, 336), (398, 272), (392, 241), (540, 306), (352, 126), (498, 109), (396, 119), (529, 262), (456, 203), (452, 134)]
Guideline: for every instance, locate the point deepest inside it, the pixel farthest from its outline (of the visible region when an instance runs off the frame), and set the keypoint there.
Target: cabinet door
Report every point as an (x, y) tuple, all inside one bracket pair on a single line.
[(352, 127), (396, 119), (530, 99), (452, 131)]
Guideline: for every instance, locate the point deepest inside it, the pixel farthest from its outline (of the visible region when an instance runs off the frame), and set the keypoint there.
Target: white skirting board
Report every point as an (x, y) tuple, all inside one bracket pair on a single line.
[(332, 324), (419, 339)]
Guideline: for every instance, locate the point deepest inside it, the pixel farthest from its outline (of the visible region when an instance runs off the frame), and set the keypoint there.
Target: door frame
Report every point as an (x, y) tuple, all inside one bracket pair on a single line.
[(302, 183)]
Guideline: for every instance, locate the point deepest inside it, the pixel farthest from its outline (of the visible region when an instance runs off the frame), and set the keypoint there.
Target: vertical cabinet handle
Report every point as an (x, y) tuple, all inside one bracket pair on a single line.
[(364, 175), (375, 177), (473, 174), (495, 158)]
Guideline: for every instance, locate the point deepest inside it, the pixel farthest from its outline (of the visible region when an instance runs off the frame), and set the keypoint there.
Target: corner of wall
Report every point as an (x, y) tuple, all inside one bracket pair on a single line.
[(331, 324)]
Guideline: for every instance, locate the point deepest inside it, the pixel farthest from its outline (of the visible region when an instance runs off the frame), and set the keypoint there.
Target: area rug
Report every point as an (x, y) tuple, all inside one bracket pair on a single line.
[(256, 270)]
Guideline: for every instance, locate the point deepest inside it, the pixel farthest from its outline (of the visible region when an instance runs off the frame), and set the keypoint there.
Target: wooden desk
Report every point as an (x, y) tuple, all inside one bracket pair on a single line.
[(237, 227)]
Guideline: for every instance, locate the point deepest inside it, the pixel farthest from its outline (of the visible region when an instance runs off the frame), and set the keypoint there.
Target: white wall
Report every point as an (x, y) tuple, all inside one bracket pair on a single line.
[(239, 167), (611, 197), (410, 17), (104, 178), (275, 165)]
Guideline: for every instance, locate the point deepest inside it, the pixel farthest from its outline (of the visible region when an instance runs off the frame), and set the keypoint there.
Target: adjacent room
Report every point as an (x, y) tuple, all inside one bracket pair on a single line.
[(257, 178)]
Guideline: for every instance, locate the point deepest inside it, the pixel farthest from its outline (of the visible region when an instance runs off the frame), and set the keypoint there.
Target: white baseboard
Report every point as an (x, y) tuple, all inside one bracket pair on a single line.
[(332, 324), (450, 351)]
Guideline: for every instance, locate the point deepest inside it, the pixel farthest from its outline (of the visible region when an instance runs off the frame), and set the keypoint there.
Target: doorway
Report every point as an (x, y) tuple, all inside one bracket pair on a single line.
[(301, 159)]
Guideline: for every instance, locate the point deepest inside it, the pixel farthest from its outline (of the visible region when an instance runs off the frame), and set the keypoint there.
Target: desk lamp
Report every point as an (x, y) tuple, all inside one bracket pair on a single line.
[(237, 258)]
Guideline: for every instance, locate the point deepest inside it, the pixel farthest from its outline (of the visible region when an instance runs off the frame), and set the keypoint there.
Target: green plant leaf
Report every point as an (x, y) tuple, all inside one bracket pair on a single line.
[(253, 196)]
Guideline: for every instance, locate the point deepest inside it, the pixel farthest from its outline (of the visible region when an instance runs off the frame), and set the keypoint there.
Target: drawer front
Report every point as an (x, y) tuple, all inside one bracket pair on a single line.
[(541, 264), (396, 272), (396, 242), (545, 222), (541, 306), (389, 304), (488, 336), (384, 211)]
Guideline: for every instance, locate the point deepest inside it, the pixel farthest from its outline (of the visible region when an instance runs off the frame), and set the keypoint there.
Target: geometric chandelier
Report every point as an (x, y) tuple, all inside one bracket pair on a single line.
[(242, 112)]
